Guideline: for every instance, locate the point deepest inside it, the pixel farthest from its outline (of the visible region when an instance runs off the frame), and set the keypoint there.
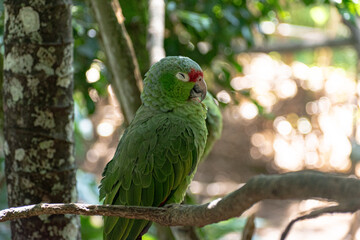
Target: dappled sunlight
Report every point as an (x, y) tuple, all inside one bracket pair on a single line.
[(262, 144), (211, 190), (213, 203), (289, 153), (102, 131), (223, 96), (105, 128), (248, 110), (93, 74), (318, 134)]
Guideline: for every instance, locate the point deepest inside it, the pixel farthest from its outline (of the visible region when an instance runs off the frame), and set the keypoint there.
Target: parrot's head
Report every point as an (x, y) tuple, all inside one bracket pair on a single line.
[(174, 80)]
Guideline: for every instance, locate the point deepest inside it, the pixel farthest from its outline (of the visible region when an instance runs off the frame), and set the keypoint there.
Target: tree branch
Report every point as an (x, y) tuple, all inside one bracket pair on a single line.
[(304, 45), (296, 185), (355, 33), (120, 55)]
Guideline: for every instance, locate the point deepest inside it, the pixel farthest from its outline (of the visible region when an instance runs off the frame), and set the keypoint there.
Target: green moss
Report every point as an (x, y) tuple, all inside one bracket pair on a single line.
[(18, 63), (16, 90), (32, 84), (44, 119), (46, 144), (30, 19), (64, 81), (19, 154)]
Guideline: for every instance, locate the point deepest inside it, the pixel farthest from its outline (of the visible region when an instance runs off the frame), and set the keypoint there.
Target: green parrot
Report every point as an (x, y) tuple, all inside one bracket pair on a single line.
[(214, 123), (159, 152)]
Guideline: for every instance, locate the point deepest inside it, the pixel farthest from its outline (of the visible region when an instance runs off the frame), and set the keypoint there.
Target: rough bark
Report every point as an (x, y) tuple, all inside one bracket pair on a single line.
[(120, 55), (38, 114)]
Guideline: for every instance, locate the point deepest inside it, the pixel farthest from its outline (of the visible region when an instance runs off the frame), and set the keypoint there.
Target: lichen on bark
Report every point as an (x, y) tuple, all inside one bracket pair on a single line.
[(38, 114)]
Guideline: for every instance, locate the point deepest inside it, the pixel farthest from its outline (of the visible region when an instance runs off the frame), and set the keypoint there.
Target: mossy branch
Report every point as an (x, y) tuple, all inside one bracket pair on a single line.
[(296, 185)]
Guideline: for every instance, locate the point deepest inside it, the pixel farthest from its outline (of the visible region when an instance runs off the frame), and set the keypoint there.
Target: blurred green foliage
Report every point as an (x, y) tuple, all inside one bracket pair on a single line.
[(207, 31), (136, 20), (86, 51), (219, 230), (90, 231)]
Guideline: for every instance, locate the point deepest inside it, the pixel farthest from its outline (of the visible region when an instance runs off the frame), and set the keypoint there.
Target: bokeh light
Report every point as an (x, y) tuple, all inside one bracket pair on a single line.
[(223, 96), (105, 129), (304, 126), (93, 74), (267, 27), (248, 110), (320, 139), (86, 128)]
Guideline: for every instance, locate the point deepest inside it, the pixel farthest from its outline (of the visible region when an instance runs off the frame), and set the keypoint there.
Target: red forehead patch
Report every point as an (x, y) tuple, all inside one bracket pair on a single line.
[(194, 75)]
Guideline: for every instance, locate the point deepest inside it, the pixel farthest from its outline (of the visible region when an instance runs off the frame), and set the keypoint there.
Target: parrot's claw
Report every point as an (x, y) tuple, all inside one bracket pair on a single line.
[(172, 205)]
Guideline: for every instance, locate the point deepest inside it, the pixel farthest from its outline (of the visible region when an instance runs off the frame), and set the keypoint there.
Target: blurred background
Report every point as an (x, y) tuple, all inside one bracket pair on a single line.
[(285, 74)]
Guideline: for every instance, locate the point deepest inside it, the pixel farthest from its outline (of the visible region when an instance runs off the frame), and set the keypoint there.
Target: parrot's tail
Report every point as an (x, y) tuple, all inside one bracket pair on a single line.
[(146, 228)]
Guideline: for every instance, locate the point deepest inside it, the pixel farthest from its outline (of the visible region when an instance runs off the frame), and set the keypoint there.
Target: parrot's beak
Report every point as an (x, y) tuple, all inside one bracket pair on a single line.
[(199, 90)]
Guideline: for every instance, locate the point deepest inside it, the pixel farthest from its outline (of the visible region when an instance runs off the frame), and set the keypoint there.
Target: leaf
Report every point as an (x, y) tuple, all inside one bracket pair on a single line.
[(235, 64), (218, 230), (200, 22)]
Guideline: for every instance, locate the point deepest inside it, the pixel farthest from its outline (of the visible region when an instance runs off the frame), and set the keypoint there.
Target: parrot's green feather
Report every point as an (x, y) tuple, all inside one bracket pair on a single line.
[(133, 195), (149, 192), (158, 153), (110, 226), (113, 193), (214, 123), (160, 176), (128, 229), (166, 188), (167, 168), (171, 182), (127, 176), (178, 173), (141, 225), (146, 180), (137, 176)]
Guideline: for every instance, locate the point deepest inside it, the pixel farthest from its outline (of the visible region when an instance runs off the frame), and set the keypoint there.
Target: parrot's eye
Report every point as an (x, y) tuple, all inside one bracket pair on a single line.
[(182, 77)]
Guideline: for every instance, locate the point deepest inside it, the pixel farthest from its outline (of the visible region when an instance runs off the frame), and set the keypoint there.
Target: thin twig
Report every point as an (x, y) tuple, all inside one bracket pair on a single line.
[(351, 206), (249, 228)]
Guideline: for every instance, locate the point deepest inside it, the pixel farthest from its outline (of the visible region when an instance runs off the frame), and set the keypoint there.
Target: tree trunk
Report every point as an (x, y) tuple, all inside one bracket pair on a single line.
[(155, 44), (38, 114), (120, 55)]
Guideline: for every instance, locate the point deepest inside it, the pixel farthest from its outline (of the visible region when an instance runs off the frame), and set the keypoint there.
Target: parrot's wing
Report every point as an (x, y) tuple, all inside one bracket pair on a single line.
[(214, 123), (152, 164)]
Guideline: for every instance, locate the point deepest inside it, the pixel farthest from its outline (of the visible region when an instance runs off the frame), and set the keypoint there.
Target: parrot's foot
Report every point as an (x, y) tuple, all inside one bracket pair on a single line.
[(172, 205)]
